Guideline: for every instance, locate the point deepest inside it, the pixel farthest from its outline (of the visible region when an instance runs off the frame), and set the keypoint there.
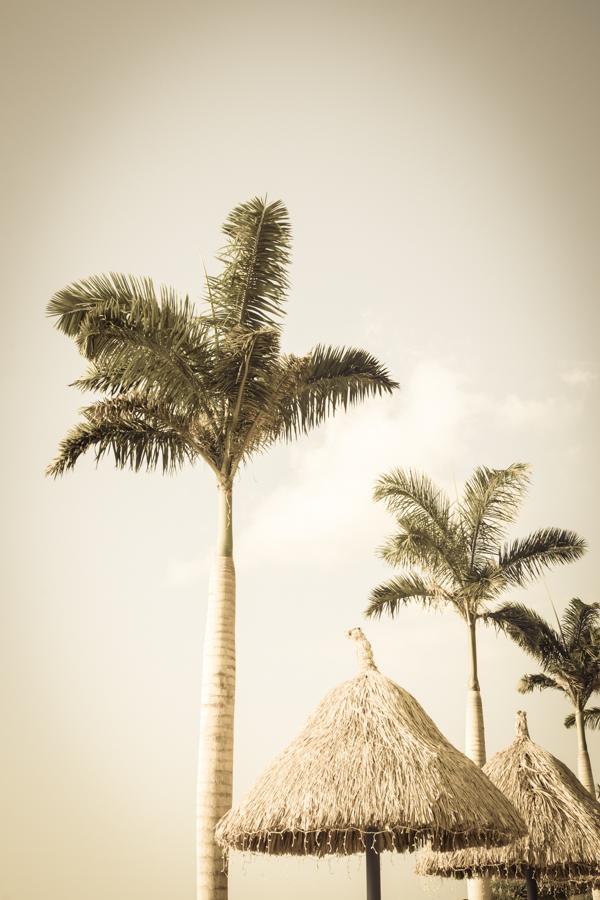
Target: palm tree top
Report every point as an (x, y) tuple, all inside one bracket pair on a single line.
[(180, 384), (458, 552), (569, 655)]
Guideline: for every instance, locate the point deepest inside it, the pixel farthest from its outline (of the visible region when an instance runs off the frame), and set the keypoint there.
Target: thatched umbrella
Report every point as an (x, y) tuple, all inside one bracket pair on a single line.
[(563, 820), (370, 771)]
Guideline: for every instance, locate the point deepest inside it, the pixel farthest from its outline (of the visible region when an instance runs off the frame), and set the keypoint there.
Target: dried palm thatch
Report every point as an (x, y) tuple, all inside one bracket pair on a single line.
[(572, 889), (563, 819), (369, 769)]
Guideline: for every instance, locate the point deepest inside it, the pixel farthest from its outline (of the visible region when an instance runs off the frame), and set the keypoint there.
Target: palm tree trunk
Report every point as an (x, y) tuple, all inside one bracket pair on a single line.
[(584, 768), (474, 730), (477, 888), (215, 755)]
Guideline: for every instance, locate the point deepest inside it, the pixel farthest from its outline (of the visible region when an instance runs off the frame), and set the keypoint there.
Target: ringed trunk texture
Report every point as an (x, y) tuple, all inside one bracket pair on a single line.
[(584, 769), (584, 766), (215, 754), (477, 888), (474, 733)]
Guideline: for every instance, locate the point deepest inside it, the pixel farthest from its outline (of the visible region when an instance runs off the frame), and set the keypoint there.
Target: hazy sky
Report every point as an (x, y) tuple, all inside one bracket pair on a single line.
[(440, 165)]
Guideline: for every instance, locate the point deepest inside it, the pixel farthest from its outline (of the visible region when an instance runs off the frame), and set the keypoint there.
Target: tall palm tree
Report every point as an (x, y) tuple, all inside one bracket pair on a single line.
[(455, 554), (569, 657), (179, 386)]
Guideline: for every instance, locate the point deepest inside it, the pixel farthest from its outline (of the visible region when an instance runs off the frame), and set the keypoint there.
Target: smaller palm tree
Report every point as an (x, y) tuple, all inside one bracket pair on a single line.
[(570, 660), (457, 555)]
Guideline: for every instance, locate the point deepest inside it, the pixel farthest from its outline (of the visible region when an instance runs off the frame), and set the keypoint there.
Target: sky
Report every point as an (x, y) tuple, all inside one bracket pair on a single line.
[(439, 164)]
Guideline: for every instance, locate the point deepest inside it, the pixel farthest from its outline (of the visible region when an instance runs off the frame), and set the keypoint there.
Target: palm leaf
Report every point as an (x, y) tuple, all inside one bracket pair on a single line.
[(400, 591), (591, 718), (530, 631), (580, 622), (137, 434), (491, 500), (526, 558), (137, 337), (251, 289), (303, 391), (539, 682), (122, 300), (414, 545), (327, 379), (408, 492)]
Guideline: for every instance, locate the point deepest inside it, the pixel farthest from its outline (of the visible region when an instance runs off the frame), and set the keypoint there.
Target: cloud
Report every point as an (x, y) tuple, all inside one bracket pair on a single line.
[(579, 376), (326, 508), (321, 510), (516, 411)]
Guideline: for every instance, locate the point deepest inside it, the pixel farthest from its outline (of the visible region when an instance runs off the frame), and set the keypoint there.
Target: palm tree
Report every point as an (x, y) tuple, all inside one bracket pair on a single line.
[(590, 716), (455, 554), (179, 387), (569, 657)]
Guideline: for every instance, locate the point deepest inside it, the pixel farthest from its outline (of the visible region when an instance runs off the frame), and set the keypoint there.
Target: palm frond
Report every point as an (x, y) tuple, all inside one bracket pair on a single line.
[(137, 434), (491, 500), (537, 682), (414, 545), (252, 287), (580, 623), (408, 492), (526, 558), (572, 663), (402, 590), (122, 300), (327, 379), (591, 718), (137, 337), (530, 631)]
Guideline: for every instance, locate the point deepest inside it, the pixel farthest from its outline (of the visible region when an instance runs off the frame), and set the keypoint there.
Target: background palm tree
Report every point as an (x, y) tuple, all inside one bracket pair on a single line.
[(179, 387), (456, 555), (569, 656), (590, 716)]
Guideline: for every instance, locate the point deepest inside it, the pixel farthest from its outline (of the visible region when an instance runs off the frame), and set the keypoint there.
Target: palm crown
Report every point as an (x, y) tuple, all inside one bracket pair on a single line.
[(179, 385), (459, 551), (569, 655)]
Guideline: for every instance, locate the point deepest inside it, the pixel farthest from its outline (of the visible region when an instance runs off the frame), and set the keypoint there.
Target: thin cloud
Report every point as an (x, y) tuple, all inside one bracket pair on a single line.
[(518, 411), (438, 423), (327, 508), (579, 376)]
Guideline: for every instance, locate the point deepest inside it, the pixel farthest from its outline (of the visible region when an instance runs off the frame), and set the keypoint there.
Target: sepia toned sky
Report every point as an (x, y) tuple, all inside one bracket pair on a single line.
[(439, 162)]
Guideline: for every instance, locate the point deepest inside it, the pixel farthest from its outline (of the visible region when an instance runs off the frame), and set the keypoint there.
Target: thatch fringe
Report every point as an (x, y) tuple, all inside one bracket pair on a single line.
[(370, 768), (563, 819), (346, 841)]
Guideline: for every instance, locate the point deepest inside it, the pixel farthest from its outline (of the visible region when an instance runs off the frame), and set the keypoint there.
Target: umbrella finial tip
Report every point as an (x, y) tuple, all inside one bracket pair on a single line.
[(363, 649), (522, 727), (354, 633)]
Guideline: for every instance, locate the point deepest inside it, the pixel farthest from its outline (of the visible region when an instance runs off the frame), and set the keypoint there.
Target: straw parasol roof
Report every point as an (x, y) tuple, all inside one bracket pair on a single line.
[(563, 819), (369, 767)]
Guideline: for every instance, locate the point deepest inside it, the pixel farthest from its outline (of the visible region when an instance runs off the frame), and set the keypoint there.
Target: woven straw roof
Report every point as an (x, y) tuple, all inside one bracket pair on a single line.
[(562, 817), (369, 766)]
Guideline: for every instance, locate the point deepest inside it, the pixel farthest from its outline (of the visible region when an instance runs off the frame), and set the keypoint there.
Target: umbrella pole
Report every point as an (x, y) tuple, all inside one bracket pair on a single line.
[(532, 891), (373, 872)]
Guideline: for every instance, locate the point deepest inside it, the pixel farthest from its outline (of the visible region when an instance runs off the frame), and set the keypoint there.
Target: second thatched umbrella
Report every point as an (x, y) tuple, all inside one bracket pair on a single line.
[(370, 771), (563, 820)]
